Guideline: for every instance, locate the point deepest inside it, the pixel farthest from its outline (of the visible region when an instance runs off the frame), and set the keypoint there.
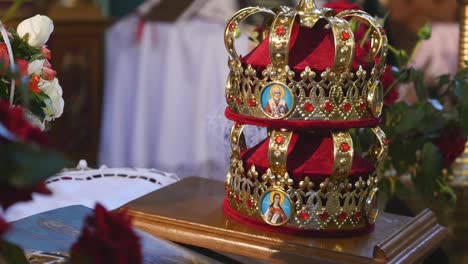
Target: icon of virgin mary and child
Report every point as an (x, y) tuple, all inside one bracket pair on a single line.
[(276, 106)]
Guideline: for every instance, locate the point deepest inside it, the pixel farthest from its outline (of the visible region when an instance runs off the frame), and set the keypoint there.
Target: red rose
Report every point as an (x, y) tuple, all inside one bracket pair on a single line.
[(22, 67), (451, 144), (342, 5), (3, 226), (107, 237), (4, 58), (388, 82), (13, 120), (10, 195)]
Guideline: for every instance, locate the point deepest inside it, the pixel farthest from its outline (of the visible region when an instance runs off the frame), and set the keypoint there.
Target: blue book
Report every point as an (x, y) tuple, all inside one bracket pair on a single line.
[(47, 238)]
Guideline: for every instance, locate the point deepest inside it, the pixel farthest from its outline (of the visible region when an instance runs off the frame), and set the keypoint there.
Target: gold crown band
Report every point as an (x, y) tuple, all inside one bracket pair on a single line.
[(379, 154), (343, 152), (338, 97), (279, 38), (278, 150), (231, 27), (378, 39), (237, 139)]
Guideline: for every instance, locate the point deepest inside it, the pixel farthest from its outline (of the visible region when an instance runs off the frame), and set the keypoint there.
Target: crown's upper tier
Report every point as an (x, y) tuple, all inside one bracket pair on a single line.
[(306, 73)]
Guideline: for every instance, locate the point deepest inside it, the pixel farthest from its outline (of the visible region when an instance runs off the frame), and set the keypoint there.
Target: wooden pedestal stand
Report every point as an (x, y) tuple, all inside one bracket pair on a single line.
[(191, 212)]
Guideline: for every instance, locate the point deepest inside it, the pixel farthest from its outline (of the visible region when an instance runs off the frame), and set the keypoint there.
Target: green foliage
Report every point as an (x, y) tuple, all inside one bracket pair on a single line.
[(426, 177), (24, 165), (425, 32), (21, 48), (413, 129), (11, 253)]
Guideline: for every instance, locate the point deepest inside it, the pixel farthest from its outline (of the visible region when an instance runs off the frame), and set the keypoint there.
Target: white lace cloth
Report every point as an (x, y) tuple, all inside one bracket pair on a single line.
[(112, 187)]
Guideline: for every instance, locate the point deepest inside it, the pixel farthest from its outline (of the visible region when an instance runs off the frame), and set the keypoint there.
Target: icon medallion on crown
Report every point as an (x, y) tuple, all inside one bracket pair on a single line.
[(305, 85)]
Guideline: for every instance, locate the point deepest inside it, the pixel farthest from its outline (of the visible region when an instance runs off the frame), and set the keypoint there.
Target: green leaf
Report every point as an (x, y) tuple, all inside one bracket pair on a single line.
[(461, 89), (12, 253), (443, 80), (417, 77), (401, 56), (447, 192), (37, 56), (425, 32), (464, 116), (24, 165), (431, 169), (411, 118)]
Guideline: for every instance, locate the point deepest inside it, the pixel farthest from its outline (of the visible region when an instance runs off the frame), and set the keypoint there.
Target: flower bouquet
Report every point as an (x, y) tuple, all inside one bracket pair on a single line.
[(28, 78)]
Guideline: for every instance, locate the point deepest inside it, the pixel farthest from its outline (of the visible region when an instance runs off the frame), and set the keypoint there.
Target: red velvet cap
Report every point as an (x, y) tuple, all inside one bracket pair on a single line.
[(309, 154), (313, 47)]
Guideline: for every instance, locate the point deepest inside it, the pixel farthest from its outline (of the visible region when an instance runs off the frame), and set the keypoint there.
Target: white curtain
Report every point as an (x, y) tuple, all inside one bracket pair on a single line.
[(164, 97)]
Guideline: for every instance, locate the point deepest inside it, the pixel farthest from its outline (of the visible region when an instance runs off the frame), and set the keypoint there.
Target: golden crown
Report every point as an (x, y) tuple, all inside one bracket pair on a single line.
[(339, 93), (336, 203), (291, 103)]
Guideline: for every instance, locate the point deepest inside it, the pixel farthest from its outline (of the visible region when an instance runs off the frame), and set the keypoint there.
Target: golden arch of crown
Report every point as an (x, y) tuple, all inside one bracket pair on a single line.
[(340, 93)]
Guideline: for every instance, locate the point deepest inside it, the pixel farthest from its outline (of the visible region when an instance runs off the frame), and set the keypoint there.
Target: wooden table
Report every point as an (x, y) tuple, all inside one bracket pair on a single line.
[(190, 212)]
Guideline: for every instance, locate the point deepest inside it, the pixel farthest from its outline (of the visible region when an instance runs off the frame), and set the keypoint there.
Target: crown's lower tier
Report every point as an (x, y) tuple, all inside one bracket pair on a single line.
[(304, 181), (289, 229), (346, 206)]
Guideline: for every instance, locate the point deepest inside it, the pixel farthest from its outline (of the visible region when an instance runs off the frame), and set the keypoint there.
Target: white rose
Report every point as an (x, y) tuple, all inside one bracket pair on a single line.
[(35, 67), (39, 29), (54, 91)]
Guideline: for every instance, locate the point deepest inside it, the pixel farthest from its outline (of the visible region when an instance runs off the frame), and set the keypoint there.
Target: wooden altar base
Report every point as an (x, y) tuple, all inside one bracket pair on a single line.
[(190, 212)]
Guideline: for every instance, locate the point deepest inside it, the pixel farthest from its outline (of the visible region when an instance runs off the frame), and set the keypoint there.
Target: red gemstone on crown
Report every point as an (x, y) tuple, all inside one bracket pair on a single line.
[(229, 97), (249, 204), (308, 107), (328, 106), (345, 35), (357, 216), (232, 27), (346, 107), (342, 216), (386, 142), (304, 215), (279, 140), (252, 102), (237, 126), (344, 147), (324, 216), (239, 101), (237, 198), (362, 105), (280, 31)]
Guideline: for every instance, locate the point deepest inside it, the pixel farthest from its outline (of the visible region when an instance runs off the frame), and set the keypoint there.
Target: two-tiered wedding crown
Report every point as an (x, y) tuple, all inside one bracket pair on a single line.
[(305, 175)]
